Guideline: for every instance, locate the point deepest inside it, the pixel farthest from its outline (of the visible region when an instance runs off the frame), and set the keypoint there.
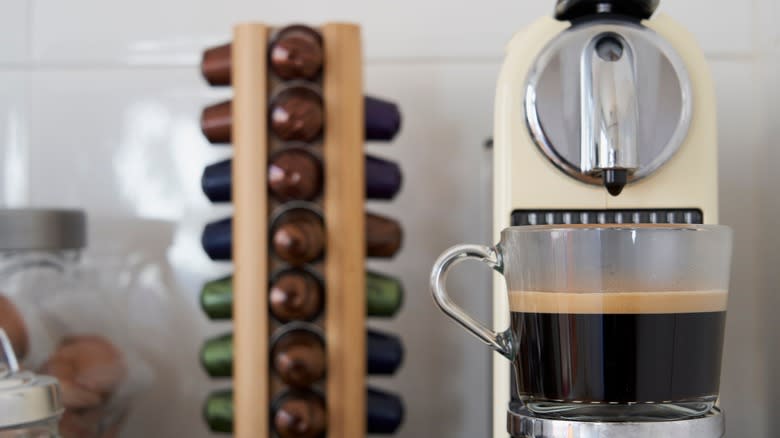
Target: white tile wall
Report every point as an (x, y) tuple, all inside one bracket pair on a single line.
[(16, 25), (767, 34), (14, 131), (99, 104), (447, 116), (131, 138), (174, 31), (721, 27), (742, 150)]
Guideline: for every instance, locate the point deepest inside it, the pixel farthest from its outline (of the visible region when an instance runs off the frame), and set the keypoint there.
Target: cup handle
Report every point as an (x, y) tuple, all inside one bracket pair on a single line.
[(501, 342)]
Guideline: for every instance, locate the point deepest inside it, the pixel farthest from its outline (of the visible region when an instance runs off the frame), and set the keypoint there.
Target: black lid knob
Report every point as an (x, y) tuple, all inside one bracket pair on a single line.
[(572, 9)]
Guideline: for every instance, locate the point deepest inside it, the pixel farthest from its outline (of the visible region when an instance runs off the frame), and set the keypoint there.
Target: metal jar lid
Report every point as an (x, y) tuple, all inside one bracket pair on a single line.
[(25, 397), (42, 229)]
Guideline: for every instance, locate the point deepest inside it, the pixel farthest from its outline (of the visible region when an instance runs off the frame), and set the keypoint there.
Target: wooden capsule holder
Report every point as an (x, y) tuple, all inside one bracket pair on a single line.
[(342, 206)]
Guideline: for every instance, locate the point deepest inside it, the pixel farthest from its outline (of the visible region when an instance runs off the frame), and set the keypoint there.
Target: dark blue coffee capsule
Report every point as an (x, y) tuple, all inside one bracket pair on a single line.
[(383, 178), (216, 181), (383, 119), (385, 353), (385, 412), (217, 239)]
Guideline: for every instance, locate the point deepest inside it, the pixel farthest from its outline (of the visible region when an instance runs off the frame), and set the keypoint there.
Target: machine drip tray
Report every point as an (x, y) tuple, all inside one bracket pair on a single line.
[(521, 424)]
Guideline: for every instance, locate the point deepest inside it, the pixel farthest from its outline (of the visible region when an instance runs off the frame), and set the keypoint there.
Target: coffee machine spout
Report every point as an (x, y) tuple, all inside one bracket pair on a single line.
[(609, 111), (615, 180)]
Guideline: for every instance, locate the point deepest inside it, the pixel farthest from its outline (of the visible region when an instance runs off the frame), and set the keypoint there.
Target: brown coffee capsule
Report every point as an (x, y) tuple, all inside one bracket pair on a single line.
[(215, 65), (296, 114), (383, 236), (300, 414), (298, 357), (295, 295), (294, 174), (298, 236), (296, 53), (216, 121)]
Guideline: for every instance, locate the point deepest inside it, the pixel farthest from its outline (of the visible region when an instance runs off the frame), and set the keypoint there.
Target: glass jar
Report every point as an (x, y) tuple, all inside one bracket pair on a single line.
[(63, 315), (39, 253), (30, 404)]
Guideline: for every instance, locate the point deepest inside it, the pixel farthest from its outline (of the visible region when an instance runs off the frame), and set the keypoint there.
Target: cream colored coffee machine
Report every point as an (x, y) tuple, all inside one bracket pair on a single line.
[(604, 113)]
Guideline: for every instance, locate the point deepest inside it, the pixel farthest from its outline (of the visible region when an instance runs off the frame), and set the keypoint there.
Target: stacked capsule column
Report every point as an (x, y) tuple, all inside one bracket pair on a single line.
[(311, 294)]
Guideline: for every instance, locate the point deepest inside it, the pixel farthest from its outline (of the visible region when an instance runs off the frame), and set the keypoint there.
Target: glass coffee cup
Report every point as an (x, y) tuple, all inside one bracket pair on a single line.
[(608, 322)]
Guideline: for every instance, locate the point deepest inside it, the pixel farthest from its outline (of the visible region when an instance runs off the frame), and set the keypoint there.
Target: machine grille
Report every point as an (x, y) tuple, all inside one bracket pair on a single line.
[(643, 216)]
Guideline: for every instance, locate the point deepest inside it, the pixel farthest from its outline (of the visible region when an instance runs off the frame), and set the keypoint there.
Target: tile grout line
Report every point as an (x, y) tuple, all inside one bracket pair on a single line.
[(28, 123), (29, 30), (67, 66)]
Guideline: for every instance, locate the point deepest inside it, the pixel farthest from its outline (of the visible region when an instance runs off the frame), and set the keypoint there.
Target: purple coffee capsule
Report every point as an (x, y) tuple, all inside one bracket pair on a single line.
[(383, 178), (217, 239), (383, 119), (216, 181)]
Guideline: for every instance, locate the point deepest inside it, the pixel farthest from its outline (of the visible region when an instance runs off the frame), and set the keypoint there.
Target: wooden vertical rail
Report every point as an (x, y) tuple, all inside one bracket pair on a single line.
[(344, 220), (250, 231)]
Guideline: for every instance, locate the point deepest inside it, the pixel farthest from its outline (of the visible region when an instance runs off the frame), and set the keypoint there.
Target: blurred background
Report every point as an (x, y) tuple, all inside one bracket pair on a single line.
[(99, 109)]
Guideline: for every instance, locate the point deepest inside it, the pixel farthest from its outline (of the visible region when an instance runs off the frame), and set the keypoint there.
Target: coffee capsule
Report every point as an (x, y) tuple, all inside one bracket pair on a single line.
[(299, 414), (384, 295), (216, 298), (218, 411), (217, 239), (295, 295), (385, 412), (216, 122), (383, 178), (294, 174), (296, 114), (296, 53), (383, 236), (216, 181), (384, 352), (216, 356), (215, 65), (383, 119), (298, 236), (298, 355)]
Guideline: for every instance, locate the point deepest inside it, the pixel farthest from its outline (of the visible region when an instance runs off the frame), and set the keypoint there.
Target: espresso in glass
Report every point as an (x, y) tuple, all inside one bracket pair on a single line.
[(608, 323), (625, 347)]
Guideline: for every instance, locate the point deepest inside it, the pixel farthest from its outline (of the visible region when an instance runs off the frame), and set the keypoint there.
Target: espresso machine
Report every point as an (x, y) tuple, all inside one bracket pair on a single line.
[(604, 113)]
